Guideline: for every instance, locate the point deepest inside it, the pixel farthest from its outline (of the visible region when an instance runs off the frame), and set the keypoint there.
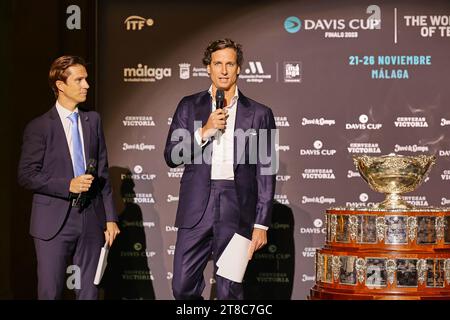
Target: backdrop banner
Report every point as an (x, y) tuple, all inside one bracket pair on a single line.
[(342, 78)]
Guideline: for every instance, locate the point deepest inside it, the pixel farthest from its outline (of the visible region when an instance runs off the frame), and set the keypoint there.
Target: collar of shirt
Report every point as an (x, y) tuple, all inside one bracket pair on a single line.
[(233, 100), (63, 112)]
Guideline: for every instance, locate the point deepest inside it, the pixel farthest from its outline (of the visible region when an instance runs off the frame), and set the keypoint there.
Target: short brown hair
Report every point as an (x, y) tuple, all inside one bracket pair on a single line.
[(223, 44), (58, 70)]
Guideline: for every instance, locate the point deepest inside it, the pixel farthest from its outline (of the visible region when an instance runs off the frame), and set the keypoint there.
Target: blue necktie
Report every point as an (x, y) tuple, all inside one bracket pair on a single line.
[(77, 147)]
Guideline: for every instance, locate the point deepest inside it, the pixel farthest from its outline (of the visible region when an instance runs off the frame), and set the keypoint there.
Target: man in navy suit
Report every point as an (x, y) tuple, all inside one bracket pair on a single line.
[(57, 148), (228, 182)]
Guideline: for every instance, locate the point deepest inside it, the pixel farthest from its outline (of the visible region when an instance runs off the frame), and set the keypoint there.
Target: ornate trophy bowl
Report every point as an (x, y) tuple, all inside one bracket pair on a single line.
[(393, 175)]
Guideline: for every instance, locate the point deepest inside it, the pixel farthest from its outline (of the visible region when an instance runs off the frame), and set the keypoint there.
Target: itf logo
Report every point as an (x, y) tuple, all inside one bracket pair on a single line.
[(292, 24), (137, 23)]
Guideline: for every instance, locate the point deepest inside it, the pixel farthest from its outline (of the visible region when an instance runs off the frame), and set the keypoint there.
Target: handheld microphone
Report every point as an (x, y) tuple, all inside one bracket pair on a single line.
[(82, 198), (92, 163), (220, 98)]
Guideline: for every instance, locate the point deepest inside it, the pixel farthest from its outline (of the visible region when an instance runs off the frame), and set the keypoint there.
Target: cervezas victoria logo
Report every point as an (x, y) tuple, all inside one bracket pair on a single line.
[(419, 201), (445, 175), (282, 121), (282, 198), (364, 148), (175, 172), (411, 122), (138, 121), (318, 174)]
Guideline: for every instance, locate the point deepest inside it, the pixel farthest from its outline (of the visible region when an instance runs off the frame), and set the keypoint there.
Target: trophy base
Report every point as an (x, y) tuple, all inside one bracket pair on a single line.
[(394, 201), (320, 293), (387, 255)]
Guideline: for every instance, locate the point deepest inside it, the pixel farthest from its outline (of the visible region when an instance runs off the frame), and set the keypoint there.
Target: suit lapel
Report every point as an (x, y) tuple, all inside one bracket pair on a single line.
[(203, 108), (60, 137), (244, 119), (86, 134)]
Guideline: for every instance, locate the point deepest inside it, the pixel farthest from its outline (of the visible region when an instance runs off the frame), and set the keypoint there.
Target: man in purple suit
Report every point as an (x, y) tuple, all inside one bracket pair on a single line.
[(72, 211), (229, 177)]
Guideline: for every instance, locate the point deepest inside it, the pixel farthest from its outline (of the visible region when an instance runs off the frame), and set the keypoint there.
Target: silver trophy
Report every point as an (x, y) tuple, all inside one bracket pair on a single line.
[(393, 175)]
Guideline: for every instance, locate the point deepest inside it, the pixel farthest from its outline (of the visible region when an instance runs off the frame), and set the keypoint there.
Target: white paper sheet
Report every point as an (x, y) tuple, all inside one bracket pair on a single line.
[(234, 259), (102, 262)]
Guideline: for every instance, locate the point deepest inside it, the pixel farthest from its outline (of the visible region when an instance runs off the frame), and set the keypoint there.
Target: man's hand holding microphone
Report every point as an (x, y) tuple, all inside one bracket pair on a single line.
[(81, 183), (79, 187), (217, 119)]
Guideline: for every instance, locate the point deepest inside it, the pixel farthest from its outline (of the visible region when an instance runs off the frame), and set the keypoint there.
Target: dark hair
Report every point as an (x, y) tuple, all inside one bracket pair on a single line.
[(58, 70), (223, 44)]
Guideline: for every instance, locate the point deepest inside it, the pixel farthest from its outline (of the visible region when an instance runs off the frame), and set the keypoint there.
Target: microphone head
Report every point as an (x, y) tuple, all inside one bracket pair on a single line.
[(220, 98), (90, 168)]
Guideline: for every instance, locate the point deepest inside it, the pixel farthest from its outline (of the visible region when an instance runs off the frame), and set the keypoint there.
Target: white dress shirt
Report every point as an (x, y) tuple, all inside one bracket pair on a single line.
[(223, 144), (222, 163), (67, 125)]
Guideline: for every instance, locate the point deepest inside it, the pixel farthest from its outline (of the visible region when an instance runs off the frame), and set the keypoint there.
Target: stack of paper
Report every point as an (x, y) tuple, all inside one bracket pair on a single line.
[(234, 259)]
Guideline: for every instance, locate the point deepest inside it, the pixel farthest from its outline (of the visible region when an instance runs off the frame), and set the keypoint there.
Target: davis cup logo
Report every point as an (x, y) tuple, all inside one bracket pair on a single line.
[(363, 197), (292, 24), (317, 151), (318, 223), (363, 118), (363, 124), (363, 201)]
